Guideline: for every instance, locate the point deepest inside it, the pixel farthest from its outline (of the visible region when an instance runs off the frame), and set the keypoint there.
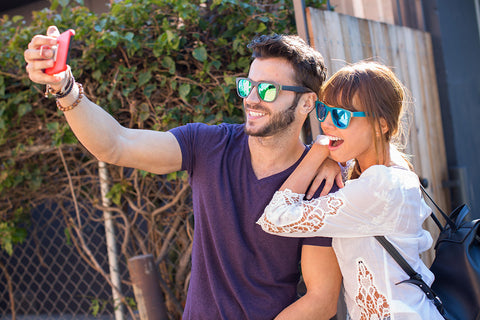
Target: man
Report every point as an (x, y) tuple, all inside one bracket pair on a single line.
[(238, 271)]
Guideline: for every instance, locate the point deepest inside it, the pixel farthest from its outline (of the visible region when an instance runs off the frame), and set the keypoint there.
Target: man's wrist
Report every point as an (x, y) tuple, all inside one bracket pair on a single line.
[(60, 88)]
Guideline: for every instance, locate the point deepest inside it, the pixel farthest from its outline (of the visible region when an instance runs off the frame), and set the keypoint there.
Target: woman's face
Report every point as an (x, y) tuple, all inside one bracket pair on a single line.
[(354, 142)]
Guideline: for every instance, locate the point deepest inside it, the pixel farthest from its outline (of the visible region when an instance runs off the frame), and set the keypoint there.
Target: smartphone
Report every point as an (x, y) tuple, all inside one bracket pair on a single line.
[(62, 51)]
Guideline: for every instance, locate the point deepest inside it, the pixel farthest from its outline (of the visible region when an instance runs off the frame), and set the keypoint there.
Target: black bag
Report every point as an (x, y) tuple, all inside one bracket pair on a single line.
[(457, 264), (456, 288)]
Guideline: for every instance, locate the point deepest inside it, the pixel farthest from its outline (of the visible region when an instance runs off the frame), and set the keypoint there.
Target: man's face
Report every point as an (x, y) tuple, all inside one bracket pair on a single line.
[(263, 119)]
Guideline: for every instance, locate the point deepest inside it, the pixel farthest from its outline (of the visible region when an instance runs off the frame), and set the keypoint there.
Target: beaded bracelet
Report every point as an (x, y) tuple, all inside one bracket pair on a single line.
[(80, 96)]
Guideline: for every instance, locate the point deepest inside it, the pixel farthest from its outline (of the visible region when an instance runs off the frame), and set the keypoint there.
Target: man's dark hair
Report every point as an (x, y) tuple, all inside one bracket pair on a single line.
[(307, 62)]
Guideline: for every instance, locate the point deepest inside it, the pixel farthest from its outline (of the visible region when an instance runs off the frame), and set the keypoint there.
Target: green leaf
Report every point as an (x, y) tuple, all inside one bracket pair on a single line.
[(2, 86), (23, 109), (129, 36), (169, 63), (184, 90), (63, 3), (217, 64), (68, 236), (54, 5), (17, 18), (261, 28), (149, 89), (200, 54), (97, 75), (53, 126), (172, 176), (95, 307), (144, 112), (143, 78)]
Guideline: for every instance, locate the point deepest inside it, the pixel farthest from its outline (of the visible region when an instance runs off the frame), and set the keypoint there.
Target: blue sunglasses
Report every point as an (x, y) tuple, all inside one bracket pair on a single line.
[(340, 117)]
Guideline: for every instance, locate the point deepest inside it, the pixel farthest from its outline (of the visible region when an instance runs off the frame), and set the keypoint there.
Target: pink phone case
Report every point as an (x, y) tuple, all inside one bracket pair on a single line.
[(61, 52)]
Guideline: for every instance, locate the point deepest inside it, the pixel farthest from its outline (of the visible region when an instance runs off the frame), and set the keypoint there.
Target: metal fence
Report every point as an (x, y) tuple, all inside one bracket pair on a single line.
[(49, 278), (62, 268)]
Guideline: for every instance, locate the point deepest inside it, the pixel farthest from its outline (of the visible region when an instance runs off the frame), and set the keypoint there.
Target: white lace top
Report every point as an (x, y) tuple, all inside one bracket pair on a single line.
[(383, 201)]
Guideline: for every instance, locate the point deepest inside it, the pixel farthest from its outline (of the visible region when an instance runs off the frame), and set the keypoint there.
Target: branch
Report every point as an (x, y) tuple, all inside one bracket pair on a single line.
[(45, 148), (10, 290), (82, 240)]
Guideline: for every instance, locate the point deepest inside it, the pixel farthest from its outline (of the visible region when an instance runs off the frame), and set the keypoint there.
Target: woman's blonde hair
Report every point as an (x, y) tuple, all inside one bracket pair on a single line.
[(375, 87)]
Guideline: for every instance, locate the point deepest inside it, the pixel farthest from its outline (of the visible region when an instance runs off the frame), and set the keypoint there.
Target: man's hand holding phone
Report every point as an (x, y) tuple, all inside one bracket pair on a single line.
[(47, 57)]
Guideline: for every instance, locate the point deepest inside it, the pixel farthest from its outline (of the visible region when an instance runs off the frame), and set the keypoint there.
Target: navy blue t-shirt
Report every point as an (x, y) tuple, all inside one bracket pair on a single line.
[(238, 270)]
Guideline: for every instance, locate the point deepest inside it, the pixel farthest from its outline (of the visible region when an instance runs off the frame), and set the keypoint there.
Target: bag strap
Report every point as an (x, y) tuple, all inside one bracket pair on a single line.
[(415, 277), (444, 215)]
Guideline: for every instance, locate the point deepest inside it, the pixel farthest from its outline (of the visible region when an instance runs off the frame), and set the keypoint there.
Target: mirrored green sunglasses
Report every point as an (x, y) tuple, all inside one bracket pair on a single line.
[(267, 91), (340, 117)]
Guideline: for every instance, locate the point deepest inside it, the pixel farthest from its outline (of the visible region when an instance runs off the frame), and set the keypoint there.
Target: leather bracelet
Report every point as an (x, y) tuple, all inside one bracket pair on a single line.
[(68, 89), (80, 97), (63, 91)]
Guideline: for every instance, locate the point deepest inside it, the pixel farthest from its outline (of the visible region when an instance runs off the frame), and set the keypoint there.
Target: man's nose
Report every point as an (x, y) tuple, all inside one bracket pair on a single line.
[(253, 97)]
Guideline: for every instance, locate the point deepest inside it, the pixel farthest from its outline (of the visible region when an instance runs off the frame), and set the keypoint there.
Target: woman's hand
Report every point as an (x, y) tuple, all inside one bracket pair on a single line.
[(329, 171), (39, 56)]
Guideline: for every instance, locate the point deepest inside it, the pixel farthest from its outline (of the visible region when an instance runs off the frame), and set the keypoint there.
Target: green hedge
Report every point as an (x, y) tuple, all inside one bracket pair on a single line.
[(151, 63)]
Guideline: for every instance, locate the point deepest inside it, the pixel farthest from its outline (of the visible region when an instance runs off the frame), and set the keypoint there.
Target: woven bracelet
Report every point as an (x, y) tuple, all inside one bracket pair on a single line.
[(80, 96)]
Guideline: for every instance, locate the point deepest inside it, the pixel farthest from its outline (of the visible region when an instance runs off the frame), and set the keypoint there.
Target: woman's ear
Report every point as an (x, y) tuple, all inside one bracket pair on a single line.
[(383, 125)]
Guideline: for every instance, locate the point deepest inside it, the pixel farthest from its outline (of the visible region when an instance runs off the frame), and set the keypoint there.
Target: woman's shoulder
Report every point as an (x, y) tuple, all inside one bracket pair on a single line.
[(390, 177)]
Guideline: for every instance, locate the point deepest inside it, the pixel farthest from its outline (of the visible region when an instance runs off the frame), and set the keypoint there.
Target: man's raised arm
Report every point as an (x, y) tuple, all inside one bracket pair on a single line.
[(153, 151)]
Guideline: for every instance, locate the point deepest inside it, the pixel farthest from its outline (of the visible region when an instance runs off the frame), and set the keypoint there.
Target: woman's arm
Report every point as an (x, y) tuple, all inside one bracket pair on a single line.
[(306, 171), (369, 205)]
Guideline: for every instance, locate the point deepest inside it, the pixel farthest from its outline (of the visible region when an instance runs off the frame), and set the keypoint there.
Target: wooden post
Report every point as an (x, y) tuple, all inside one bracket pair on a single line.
[(146, 287), (300, 21)]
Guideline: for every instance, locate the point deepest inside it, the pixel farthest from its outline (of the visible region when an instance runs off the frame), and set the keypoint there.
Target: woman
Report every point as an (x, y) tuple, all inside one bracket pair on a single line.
[(360, 116)]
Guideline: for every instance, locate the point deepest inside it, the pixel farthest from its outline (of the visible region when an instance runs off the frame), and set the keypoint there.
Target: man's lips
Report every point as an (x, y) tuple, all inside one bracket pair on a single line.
[(255, 113)]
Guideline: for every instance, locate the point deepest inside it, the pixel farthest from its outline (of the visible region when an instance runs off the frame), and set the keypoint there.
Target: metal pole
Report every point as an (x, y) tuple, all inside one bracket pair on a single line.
[(399, 11), (477, 10), (146, 287), (111, 244)]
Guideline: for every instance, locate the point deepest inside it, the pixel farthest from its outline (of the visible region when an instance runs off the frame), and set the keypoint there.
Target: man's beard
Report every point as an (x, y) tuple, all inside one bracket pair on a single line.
[(278, 122)]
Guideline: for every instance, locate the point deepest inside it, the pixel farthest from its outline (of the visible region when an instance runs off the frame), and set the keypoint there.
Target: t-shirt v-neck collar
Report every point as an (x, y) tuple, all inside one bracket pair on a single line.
[(285, 172)]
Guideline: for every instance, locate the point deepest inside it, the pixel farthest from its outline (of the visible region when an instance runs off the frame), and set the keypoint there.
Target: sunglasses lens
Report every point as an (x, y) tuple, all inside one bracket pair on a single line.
[(244, 87), (267, 91), (341, 118), (321, 111)]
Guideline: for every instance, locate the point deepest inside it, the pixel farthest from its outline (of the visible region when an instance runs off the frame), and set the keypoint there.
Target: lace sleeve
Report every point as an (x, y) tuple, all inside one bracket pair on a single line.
[(288, 213)]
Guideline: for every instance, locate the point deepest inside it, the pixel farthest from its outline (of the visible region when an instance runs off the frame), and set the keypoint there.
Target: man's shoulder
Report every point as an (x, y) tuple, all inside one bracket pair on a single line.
[(202, 136), (199, 127)]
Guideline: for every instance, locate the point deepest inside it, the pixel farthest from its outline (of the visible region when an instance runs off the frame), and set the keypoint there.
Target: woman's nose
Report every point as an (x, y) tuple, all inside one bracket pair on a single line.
[(327, 123)]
